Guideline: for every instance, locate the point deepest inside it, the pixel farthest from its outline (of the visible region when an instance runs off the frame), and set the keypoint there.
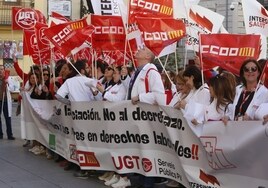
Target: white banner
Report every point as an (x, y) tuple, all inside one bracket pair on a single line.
[(255, 17), (101, 7), (151, 140)]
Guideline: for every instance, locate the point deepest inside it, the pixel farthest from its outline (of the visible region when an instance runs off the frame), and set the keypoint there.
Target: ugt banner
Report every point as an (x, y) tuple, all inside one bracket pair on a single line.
[(228, 50)]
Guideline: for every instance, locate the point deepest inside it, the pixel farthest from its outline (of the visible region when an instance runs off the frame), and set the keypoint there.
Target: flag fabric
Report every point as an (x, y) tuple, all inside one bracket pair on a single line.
[(25, 18), (109, 33), (108, 8), (67, 36), (152, 8), (42, 41), (255, 17), (158, 33), (201, 20), (59, 16), (228, 50), (30, 47)]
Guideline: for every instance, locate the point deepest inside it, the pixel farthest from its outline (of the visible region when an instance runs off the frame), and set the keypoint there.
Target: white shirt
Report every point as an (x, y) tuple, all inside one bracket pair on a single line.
[(76, 89)]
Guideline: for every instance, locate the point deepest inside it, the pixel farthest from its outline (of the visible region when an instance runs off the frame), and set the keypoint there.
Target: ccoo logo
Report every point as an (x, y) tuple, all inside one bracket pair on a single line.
[(26, 18)]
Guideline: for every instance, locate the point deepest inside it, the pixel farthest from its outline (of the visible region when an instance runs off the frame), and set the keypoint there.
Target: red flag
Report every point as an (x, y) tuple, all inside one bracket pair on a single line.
[(228, 50), (30, 47), (150, 8), (42, 41), (160, 32), (109, 33), (59, 16), (67, 36), (25, 18)]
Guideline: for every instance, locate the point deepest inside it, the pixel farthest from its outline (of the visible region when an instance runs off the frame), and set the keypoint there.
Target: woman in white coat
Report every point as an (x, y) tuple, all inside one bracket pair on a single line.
[(250, 94), (115, 92), (199, 96)]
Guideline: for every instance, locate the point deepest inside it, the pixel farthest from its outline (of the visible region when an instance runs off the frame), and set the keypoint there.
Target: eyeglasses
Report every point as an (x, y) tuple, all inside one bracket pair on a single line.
[(45, 74), (250, 69)]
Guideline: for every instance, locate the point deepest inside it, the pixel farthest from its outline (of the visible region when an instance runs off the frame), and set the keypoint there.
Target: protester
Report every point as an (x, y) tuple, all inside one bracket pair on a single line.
[(222, 96), (251, 93), (199, 96), (169, 86), (6, 102), (145, 86), (116, 91), (182, 91), (76, 90)]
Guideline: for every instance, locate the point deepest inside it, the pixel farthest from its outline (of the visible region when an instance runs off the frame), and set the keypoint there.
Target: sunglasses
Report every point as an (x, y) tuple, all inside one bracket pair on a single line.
[(46, 74), (109, 68), (250, 69)]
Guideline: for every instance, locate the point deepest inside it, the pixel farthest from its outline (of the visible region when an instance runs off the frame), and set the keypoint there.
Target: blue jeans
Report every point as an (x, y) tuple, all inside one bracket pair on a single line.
[(7, 118)]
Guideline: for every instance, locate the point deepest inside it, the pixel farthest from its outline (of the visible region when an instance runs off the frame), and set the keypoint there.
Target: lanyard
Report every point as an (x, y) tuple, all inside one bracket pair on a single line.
[(244, 99)]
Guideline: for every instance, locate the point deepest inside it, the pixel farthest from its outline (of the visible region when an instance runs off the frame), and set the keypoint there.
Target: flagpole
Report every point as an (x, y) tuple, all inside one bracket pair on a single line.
[(176, 61), (166, 60), (164, 69), (185, 57), (201, 60)]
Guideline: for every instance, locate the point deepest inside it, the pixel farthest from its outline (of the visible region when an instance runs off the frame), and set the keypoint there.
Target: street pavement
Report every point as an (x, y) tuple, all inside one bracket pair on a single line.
[(20, 168)]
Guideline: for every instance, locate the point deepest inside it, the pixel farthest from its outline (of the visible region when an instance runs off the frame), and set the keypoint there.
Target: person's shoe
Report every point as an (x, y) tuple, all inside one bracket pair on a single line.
[(27, 143), (122, 183), (173, 183), (82, 174), (105, 175), (11, 138), (109, 177), (113, 180), (33, 148), (41, 151)]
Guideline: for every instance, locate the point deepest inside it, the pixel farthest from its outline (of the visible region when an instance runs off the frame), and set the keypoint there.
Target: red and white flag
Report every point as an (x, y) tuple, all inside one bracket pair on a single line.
[(67, 36), (228, 50), (150, 8), (25, 18), (201, 20), (30, 47), (109, 33), (43, 43), (255, 17), (158, 33)]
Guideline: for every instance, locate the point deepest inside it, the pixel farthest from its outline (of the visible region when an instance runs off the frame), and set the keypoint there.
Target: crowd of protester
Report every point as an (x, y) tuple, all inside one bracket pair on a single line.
[(220, 96)]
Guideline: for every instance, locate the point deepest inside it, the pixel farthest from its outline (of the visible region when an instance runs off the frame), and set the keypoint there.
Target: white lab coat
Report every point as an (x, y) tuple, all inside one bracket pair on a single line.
[(197, 102), (156, 94), (260, 96), (115, 93), (212, 114), (10, 87)]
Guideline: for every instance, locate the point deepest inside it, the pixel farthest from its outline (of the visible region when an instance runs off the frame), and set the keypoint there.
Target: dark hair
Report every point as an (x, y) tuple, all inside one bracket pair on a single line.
[(80, 65), (222, 90), (59, 65), (194, 71), (244, 65), (102, 65)]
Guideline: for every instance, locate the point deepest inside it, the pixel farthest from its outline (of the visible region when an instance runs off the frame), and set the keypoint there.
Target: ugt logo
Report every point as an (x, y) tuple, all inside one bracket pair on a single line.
[(132, 162), (26, 18)]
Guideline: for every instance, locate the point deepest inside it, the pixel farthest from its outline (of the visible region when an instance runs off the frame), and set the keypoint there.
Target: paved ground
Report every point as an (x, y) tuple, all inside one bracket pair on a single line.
[(19, 168)]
